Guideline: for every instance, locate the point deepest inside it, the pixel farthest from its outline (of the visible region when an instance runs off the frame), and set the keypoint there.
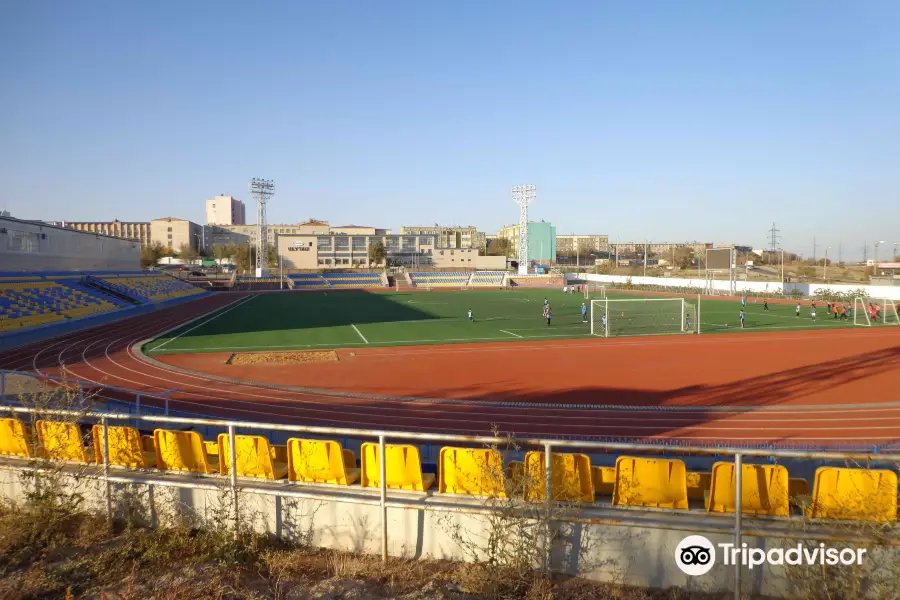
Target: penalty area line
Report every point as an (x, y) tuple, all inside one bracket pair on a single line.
[(356, 329), (511, 333)]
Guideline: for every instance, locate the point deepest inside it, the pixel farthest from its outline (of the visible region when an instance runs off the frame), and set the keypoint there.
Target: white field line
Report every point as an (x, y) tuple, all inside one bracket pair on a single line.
[(356, 329), (202, 323), (511, 333)]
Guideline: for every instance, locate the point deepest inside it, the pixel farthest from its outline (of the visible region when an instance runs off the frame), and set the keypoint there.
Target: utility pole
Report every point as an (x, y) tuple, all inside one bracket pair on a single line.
[(814, 249), (865, 252), (840, 259)]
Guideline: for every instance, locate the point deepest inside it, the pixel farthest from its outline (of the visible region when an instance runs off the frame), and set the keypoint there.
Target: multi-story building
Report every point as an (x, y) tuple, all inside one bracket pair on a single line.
[(574, 244), (128, 230), (541, 241), (349, 251), (225, 210), (626, 248), (449, 237), (246, 234), (172, 233)]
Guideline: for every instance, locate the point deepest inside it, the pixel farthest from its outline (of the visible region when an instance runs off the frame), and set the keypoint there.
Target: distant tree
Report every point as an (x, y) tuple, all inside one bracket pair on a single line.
[(499, 247), (187, 252), (272, 258), (377, 253), (584, 249), (684, 257), (151, 254), (222, 251)]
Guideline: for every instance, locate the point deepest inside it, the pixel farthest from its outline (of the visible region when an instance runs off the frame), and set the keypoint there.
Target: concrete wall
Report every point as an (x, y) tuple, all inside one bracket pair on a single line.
[(604, 544), (31, 246), (765, 287)]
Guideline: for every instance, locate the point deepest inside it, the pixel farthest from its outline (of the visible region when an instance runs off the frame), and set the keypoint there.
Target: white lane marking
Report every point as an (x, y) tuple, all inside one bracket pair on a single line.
[(202, 323), (511, 333), (356, 329)]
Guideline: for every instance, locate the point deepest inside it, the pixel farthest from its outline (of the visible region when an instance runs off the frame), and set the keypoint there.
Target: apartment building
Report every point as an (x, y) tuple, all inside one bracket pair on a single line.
[(225, 210), (128, 230)]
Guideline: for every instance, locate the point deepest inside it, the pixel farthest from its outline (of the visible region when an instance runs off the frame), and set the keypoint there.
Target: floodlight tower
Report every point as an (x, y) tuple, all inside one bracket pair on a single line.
[(262, 190), (523, 195)]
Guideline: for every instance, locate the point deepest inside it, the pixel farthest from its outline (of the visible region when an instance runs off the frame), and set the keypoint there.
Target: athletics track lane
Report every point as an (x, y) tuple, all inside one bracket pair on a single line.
[(810, 387)]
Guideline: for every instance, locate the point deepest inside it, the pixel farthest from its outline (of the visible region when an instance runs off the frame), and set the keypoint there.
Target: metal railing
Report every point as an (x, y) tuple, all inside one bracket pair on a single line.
[(548, 446)]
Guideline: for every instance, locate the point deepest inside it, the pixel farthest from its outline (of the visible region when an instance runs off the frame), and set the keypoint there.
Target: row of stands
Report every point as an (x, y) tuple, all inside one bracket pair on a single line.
[(768, 490), (146, 288), (487, 279), (307, 280), (38, 301), (354, 280), (437, 279)]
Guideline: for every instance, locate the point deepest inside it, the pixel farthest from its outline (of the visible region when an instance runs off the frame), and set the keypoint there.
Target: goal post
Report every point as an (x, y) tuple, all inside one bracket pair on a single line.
[(594, 291), (885, 312), (861, 313), (643, 316)]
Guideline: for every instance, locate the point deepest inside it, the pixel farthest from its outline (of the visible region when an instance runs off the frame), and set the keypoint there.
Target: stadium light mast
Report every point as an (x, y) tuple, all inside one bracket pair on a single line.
[(262, 190), (523, 195)]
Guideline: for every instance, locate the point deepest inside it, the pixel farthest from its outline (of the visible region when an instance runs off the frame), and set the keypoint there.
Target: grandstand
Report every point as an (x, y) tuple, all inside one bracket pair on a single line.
[(487, 279), (438, 279), (40, 301), (307, 280), (146, 288), (354, 280), (838, 493), (31, 299)]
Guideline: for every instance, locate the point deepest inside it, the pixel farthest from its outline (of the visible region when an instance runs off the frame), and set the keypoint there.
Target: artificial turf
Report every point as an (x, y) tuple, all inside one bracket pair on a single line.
[(296, 320)]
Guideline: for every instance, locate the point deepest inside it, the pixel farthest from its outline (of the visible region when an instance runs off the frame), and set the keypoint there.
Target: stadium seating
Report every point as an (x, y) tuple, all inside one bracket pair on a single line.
[(308, 280), (15, 439), (456, 279), (36, 302), (62, 441), (403, 468), (353, 280), (571, 477), (650, 482), (127, 448), (838, 493), (316, 461), (183, 451), (149, 288), (487, 279), (253, 455), (471, 471), (764, 490), (854, 494)]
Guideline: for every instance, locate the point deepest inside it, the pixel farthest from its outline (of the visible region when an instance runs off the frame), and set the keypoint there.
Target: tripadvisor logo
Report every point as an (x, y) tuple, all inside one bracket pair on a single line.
[(695, 555)]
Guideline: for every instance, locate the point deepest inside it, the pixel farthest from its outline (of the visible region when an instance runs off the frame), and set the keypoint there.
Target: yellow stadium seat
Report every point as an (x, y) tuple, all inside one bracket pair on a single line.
[(349, 459), (798, 487), (62, 441), (125, 447), (318, 461), (182, 451), (855, 494), (403, 468), (253, 455), (15, 439), (604, 480), (571, 477), (212, 448), (650, 482), (472, 471), (697, 485), (148, 444), (764, 489)]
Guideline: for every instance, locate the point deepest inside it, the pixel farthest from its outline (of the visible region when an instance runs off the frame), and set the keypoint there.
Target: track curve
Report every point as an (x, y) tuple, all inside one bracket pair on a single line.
[(823, 388)]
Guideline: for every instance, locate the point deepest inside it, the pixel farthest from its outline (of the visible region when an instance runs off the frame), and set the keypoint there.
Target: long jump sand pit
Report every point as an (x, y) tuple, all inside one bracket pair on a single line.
[(282, 358)]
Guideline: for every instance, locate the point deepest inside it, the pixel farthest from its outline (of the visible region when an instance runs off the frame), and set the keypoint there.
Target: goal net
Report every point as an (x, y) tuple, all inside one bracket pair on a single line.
[(644, 316), (868, 312), (594, 291)]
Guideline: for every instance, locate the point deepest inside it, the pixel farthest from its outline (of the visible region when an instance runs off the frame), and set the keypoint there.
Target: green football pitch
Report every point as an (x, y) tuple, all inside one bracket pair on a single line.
[(286, 320)]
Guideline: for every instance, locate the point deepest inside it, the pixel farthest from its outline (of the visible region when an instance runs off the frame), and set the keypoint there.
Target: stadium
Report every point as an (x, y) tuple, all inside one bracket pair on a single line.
[(622, 396)]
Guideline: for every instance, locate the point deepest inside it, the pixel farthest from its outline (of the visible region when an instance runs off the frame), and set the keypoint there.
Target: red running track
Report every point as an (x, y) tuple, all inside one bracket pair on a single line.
[(812, 387)]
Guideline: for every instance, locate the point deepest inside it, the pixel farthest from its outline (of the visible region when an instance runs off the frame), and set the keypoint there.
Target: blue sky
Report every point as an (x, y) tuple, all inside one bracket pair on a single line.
[(661, 120)]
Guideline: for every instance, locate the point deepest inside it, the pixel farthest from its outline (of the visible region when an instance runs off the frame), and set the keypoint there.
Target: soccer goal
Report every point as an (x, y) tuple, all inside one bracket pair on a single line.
[(594, 291), (885, 312), (643, 316)]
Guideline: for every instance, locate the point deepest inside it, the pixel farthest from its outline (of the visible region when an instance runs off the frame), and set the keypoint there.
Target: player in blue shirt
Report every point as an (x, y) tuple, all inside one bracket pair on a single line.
[(742, 318), (583, 312), (548, 314)]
